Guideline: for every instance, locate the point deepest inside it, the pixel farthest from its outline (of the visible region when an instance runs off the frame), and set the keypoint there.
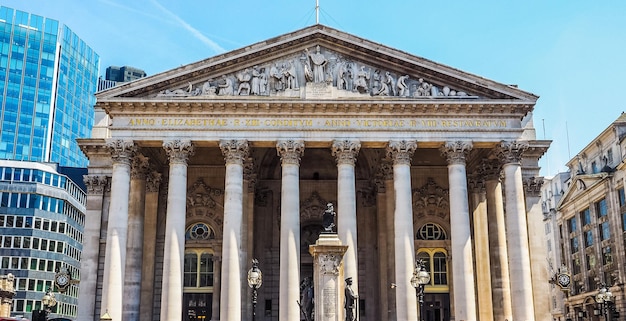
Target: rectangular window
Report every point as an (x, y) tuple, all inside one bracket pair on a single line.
[(588, 238), (572, 224), (607, 257), (574, 244), (576, 266), (601, 209), (585, 216), (621, 196), (605, 231), (594, 167)]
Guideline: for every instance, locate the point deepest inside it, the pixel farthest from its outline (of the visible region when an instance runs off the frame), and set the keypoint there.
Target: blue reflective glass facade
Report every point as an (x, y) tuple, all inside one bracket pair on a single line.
[(48, 77)]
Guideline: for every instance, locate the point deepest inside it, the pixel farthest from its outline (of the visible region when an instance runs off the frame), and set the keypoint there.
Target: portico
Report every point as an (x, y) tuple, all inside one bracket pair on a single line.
[(247, 174)]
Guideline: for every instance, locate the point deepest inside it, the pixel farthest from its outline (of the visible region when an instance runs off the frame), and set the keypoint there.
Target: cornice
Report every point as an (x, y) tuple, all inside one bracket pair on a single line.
[(263, 106)]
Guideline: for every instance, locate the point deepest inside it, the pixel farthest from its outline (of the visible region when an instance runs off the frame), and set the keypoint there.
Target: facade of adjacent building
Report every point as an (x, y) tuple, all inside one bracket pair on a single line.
[(48, 78), (118, 75), (197, 170), (42, 214), (588, 225)]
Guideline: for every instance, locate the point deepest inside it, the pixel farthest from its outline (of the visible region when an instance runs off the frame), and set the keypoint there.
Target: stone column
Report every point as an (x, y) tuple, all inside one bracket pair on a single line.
[(461, 241), (406, 301), (217, 276), (481, 246), (235, 152), (153, 181), (178, 152), (537, 245), (384, 215), (134, 244), (498, 257), (510, 154), (247, 231), (96, 185), (117, 229), (346, 152), (290, 153)]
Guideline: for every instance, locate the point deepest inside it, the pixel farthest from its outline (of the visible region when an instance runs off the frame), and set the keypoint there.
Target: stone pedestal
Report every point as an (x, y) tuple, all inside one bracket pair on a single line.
[(328, 277)]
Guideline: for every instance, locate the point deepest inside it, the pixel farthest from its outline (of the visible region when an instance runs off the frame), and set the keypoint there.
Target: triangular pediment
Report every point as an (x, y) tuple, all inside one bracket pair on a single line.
[(581, 185), (316, 62)]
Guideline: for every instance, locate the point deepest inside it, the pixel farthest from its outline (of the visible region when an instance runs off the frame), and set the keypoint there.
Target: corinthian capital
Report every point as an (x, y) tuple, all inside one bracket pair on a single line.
[(532, 186), (290, 151), (96, 184), (179, 151), (139, 167), (401, 151), (345, 151), (490, 169), (510, 152), (122, 151), (456, 152), (234, 151)]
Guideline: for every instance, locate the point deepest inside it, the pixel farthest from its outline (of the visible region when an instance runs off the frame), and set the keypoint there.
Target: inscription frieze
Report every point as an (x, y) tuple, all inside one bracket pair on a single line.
[(270, 123)]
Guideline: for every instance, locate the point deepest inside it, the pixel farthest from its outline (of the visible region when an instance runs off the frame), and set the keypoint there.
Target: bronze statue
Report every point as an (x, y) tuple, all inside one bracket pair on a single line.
[(351, 298), (328, 218)]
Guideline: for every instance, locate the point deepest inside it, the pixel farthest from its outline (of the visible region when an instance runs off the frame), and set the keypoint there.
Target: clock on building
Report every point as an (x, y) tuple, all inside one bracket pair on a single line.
[(62, 279), (564, 280)]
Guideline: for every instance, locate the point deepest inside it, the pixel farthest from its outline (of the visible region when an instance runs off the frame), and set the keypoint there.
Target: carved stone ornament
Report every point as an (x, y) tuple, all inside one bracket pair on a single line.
[(329, 263), (431, 199), (122, 151), (384, 173), (312, 69), (532, 186), (250, 174), (456, 152), (153, 181), (290, 151), (204, 201), (510, 152), (139, 167), (235, 151), (346, 151), (311, 209), (490, 169), (96, 184), (401, 151), (476, 183), (179, 151)]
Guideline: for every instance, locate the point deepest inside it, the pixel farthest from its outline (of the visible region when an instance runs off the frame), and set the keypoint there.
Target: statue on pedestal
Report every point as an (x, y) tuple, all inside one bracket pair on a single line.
[(328, 218), (351, 298)]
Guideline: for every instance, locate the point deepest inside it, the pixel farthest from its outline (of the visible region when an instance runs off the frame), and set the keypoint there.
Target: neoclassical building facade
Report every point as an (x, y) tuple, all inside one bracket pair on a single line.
[(197, 170)]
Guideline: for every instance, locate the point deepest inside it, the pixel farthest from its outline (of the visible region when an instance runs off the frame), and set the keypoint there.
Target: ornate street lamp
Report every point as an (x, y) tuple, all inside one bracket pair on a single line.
[(420, 278), (255, 279), (106, 317), (605, 299), (48, 301)]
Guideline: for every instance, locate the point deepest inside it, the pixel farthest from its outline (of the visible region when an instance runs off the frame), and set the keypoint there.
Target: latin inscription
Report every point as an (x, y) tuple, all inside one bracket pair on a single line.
[(312, 123), (330, 300)]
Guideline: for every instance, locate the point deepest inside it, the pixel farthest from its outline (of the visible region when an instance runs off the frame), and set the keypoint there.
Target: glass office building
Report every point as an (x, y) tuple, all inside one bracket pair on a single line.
[(48, 77)]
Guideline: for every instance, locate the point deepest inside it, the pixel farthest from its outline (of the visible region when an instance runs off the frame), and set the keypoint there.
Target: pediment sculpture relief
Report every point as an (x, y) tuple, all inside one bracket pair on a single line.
[(431, 199), (319, 73)]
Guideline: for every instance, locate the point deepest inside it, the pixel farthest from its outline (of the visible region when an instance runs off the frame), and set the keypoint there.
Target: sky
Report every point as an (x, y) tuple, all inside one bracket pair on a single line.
[(571, 53)]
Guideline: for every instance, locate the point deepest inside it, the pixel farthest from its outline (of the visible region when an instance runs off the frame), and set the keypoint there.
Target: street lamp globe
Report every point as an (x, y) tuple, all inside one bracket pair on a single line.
[(255, 277)]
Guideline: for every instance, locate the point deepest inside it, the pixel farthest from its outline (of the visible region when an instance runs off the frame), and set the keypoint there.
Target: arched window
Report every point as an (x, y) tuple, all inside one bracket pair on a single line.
[(431, 232), (199, 232)]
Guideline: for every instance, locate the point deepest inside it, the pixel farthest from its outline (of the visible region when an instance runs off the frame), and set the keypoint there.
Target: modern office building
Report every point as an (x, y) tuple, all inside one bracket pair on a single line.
[(237, 156), (48, 77), (589, 225), (42, 214), (124, 74)]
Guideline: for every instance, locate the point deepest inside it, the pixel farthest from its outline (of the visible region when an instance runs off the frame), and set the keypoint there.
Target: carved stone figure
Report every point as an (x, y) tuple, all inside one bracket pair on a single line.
[(384, 86), (328, 218), (341, 77), (255, 83), (362, 78), (277, 77), (291, 76), (226, 89), (403, 89), (351, 298), (244, 82), (207, 89), (262, 82), (319, 64), (423, 89), (390, 83), (376, 81), (306, 297)]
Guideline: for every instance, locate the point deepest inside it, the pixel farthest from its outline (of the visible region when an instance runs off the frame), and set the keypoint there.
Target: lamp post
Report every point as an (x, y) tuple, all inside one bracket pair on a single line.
[(420, 278), (48, 301), (106, 317), (604, 298), (255, 279)]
